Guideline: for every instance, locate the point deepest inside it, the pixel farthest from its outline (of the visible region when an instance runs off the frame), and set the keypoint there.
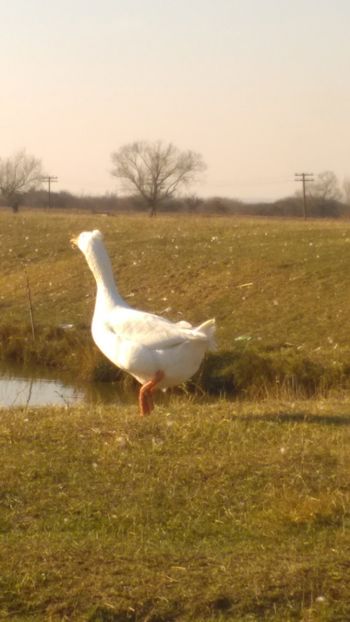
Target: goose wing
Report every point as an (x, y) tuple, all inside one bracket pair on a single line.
[(150, 330)]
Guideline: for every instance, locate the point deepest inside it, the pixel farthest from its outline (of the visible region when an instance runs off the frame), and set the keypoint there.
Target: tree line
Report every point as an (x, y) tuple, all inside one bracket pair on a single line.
[(156, 177)]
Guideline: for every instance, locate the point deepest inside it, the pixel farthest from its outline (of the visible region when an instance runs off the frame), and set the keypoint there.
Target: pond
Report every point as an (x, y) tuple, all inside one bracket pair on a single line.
[(27, 387)]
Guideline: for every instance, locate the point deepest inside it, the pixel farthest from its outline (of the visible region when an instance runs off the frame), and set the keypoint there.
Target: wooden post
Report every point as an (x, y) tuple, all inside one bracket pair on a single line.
[(304, 177), (30, 304)]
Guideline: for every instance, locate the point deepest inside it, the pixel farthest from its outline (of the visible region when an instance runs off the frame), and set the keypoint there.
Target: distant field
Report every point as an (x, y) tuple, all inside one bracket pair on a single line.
[(279, 289), (212, 512)]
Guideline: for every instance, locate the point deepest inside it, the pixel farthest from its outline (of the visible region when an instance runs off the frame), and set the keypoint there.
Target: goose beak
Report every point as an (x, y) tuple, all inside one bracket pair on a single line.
[(74, 242)]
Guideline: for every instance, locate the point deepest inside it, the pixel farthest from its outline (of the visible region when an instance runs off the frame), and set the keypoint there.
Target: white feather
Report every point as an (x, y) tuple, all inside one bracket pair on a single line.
[(141, 343)]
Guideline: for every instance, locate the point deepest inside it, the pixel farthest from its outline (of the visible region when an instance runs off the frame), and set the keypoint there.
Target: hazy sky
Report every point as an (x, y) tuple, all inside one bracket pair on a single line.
[(260, 88)]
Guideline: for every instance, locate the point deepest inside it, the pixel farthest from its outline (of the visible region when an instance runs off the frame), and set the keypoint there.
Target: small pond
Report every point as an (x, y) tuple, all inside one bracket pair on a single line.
[(27, 387)]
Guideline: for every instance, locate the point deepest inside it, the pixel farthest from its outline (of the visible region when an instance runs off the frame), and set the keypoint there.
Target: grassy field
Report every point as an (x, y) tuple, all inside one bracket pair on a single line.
[(279, 290), (212, 512)]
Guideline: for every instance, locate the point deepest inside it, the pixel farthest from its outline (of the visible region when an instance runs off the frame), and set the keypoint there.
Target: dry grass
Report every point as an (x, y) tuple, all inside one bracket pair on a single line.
[(278, 289), (223, 511), (205, 511)]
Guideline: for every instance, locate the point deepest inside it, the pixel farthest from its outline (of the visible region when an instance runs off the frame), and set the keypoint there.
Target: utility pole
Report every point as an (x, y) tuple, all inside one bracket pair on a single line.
[(304, 178), (49, 179)]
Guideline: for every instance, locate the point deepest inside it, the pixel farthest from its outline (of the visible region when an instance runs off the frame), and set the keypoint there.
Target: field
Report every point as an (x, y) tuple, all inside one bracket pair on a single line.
[(279, 291), (213, 508), (220, 511)]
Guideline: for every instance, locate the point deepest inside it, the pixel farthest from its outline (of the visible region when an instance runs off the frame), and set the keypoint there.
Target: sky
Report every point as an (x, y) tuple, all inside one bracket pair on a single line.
[(260, 88)]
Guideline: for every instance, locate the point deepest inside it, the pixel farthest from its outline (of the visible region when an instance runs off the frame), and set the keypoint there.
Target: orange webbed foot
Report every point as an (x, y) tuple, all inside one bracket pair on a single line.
[(145, 394)]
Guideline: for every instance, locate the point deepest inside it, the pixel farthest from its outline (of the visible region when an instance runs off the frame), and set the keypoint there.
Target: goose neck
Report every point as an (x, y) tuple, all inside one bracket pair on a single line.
[(101, 268)]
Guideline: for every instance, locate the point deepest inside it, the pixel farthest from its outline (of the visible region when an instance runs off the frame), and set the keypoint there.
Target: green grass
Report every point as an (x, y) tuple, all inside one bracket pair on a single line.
[(279, 290), (220, 511)]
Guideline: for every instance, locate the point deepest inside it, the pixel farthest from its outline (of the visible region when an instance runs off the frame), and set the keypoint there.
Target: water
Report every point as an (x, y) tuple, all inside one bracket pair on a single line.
[(23, 387)]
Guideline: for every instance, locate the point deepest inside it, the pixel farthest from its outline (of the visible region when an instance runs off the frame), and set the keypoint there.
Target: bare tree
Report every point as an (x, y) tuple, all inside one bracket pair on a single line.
[(156, 171), (326, 187), (19, 174)]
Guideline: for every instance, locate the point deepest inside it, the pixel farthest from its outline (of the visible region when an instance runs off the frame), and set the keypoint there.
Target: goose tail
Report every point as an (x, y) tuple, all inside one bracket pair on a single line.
[(208, 329)]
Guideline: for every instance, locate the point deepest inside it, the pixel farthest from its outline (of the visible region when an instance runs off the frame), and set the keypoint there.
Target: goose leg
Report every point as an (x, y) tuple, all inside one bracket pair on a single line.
[(145, 394)]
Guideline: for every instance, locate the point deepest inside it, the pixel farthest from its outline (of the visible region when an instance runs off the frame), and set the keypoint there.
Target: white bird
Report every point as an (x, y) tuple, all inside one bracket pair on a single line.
[(155, 351)]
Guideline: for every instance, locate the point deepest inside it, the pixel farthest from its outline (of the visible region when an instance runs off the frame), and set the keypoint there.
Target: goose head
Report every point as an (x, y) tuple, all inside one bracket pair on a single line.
[(86, 240)]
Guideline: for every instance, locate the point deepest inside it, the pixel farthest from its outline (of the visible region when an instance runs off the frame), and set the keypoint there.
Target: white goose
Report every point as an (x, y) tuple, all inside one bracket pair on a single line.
[(155, 351)]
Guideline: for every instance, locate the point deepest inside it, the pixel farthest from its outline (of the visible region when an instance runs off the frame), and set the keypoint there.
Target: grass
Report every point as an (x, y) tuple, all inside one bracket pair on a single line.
[(208, 512), (278, 289)]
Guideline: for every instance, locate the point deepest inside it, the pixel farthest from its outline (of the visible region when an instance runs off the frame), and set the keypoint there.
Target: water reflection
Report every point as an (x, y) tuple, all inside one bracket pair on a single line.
[(23, 387)]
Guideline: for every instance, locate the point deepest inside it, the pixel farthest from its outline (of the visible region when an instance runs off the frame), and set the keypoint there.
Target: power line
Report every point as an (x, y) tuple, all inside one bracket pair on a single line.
[(49, 179), (275, 181), (304, 178)]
